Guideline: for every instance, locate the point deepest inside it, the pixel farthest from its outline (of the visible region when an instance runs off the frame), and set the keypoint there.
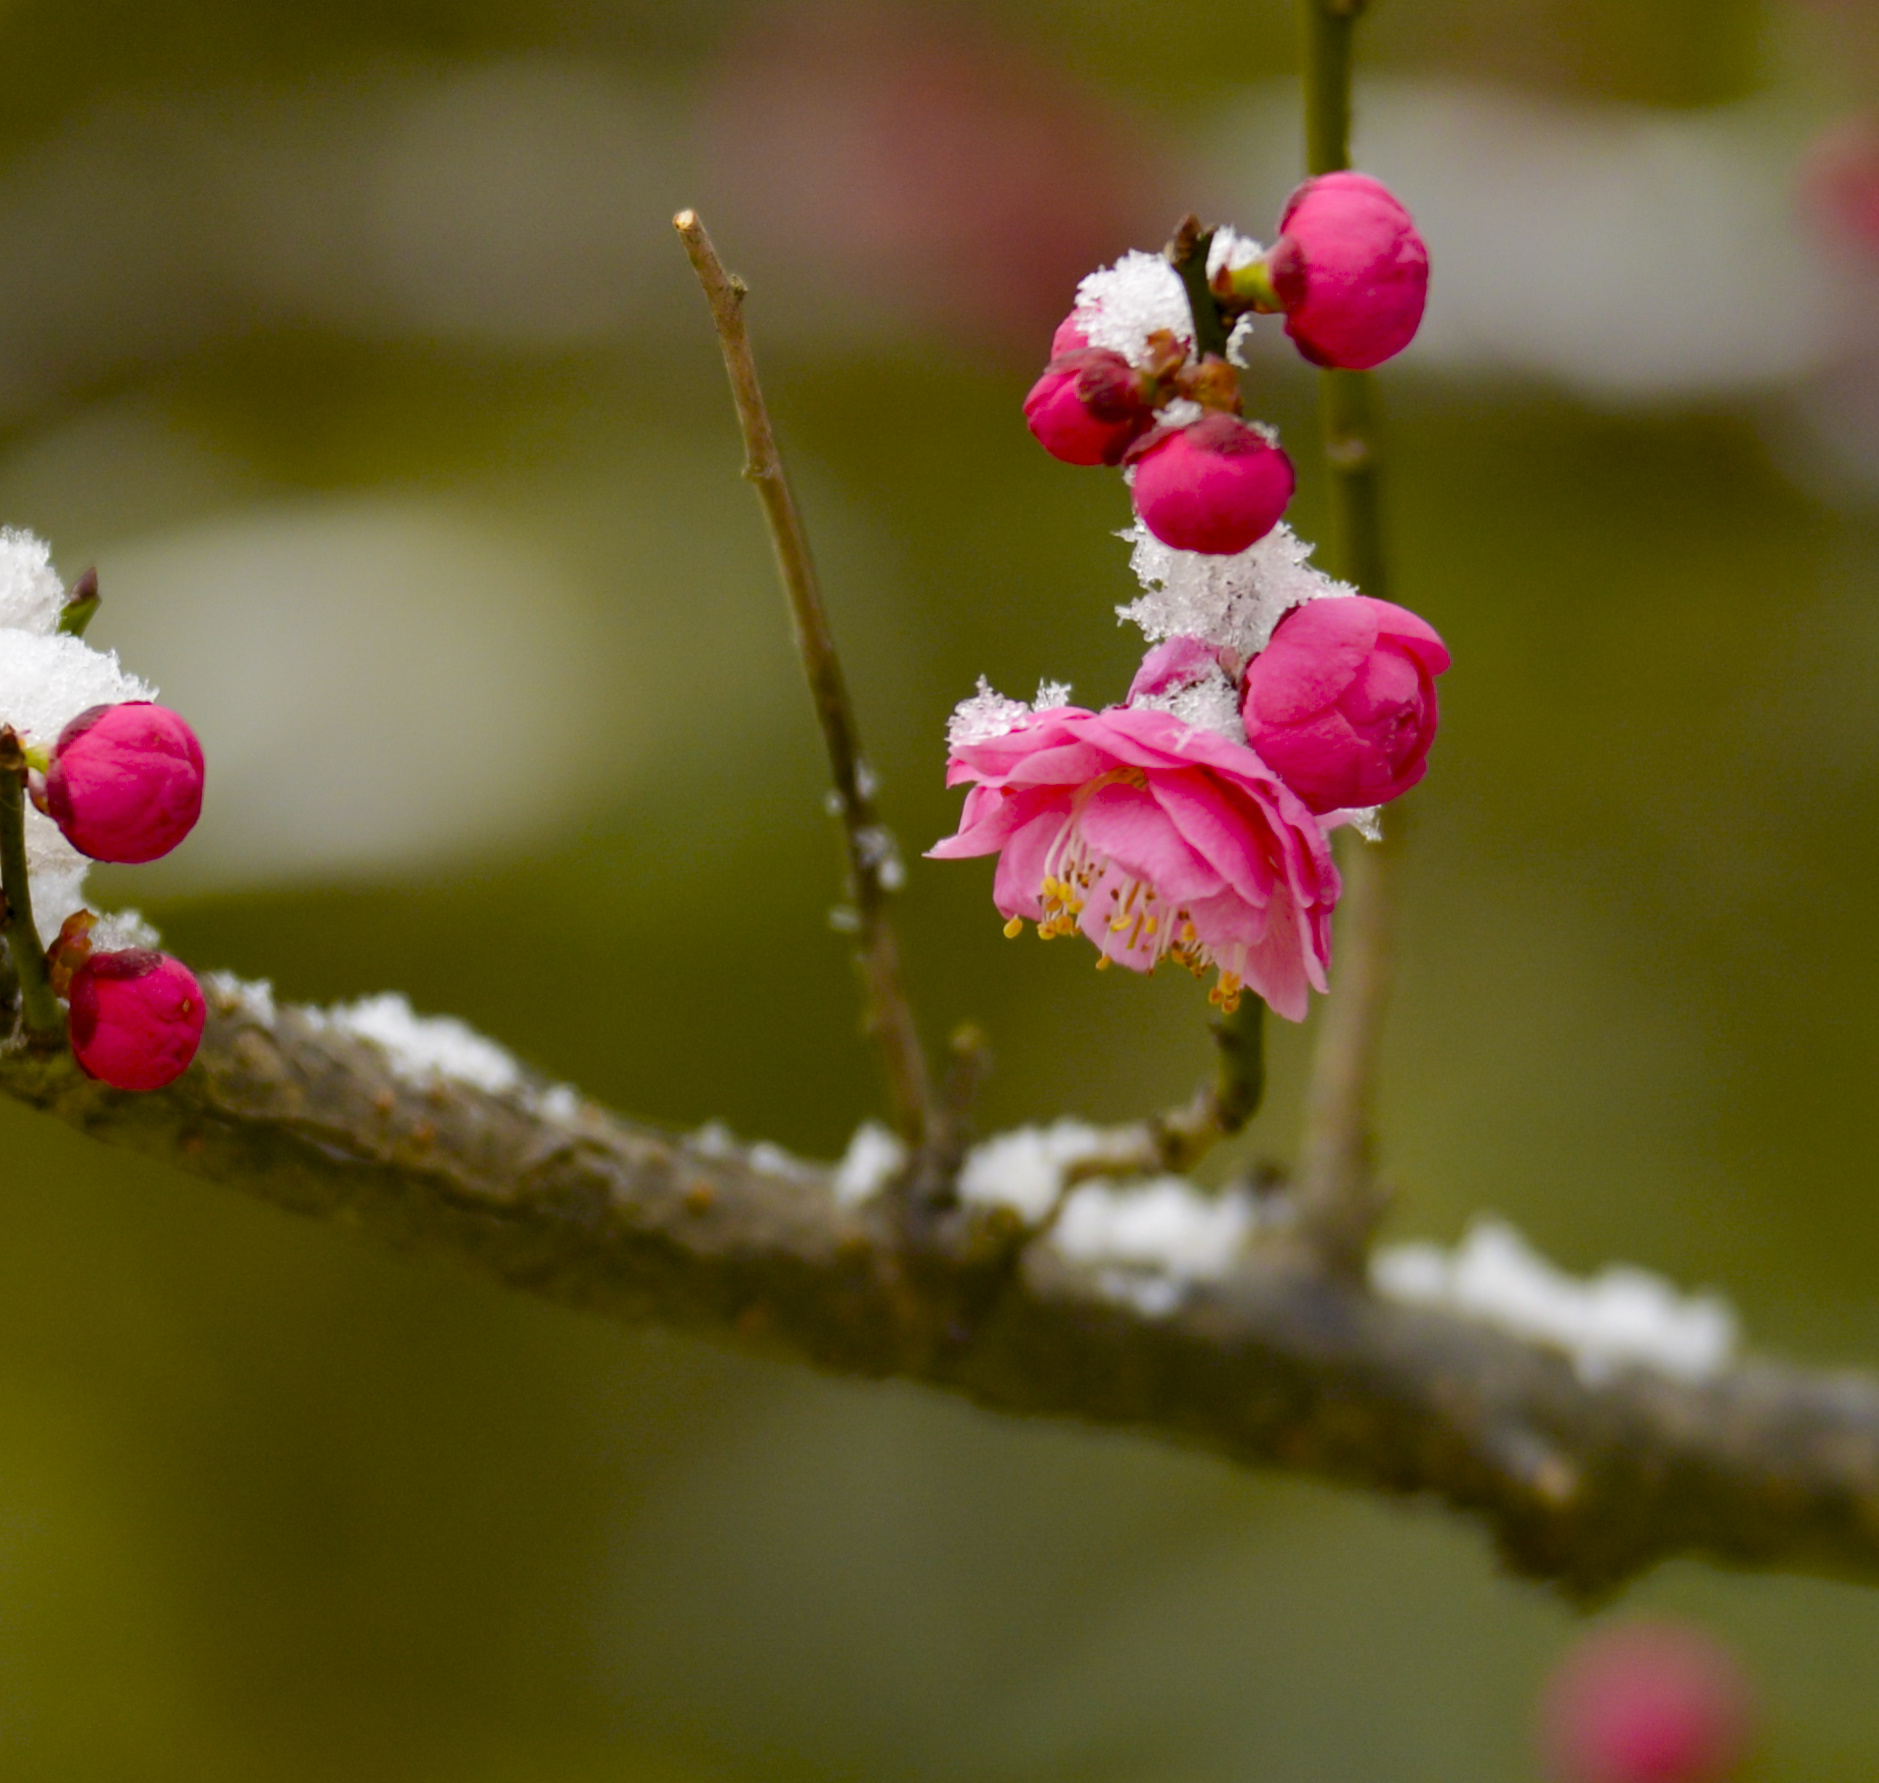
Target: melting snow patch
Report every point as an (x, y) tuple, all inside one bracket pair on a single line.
[(1024, 1169), (1623, 1316), (773, 1160), (869, 1164), (423, 1049), (253, 998)]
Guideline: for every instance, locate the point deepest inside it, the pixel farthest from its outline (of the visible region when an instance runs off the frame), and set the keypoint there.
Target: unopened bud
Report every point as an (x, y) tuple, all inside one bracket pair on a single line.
[(137, 1018), (125, 781), (1214, 487)]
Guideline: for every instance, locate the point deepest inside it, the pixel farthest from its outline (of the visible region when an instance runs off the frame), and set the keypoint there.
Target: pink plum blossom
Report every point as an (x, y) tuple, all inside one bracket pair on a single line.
[(1350, 271), (1342, 701), (137, 1018), (1088, 407), (1651, 1702), (1158, 840), (125, 781), (1216, 486)]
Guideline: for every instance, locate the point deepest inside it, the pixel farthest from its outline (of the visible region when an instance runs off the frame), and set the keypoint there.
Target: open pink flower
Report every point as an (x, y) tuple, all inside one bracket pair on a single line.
[(1342, 701), (1159, 840)]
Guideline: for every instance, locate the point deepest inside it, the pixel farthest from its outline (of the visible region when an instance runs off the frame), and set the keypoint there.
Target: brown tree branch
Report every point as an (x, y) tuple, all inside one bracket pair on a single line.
[(1277, 1362), (873, 863)]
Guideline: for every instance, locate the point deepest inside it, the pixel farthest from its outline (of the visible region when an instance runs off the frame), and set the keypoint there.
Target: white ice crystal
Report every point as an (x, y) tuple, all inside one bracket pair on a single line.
[(1366, 820), (1230, 250), (1051, 696), (31, 593), (1240, 343), (1122, 305), (986, 715), (1212, 703), (119, 929), (1152, 1241), (1024, 1169), (874, 1154), (1233, 602), (1623, 1316), (423, 1049)]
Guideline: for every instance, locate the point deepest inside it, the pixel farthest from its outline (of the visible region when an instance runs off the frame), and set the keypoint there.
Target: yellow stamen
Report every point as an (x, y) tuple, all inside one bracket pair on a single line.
[(1014, 928)]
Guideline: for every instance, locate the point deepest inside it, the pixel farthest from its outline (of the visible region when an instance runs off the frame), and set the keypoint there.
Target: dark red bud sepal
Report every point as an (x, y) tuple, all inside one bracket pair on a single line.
[(1088, 407), (137, 1018), (70, 949)]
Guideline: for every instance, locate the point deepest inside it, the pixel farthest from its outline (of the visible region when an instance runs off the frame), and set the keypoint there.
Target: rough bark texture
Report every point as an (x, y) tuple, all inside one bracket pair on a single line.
[(1280, 1364)]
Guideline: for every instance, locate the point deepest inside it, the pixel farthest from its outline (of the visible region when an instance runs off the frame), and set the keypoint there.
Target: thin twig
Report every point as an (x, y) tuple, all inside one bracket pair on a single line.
[(1337, 1197), (39, 1008), (873, 864)]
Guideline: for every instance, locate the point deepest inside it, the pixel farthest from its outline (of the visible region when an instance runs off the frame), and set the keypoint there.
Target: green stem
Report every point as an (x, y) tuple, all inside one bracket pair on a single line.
[(38, 1006), (1189, 254), (1335, 1190)]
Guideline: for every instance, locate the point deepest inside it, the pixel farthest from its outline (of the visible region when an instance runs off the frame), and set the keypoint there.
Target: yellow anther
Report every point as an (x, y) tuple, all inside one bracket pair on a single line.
[(1014, 928)]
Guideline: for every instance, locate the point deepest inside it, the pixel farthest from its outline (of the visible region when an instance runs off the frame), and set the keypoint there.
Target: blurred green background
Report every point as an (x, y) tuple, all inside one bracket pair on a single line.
[(351, 343)]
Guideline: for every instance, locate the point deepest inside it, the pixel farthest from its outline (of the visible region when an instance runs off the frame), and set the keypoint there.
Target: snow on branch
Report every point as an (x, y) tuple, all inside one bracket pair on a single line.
[(1594, 1427)]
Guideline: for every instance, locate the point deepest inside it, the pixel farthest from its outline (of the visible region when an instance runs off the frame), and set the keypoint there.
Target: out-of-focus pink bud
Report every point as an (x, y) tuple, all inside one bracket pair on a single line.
[(1214, 487), (1840, 183), (125, 781), (1087, 408), (1652, 1702), (1350, 270), (136, 1018), (1341, 704)]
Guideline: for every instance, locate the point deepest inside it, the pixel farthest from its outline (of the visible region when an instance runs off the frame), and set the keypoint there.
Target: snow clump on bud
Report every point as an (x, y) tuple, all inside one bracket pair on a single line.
[(1654, 1702), (125, 781), (137, 1018), (1088, 407), (1342, 703), (1350, 270), (1214, 487)]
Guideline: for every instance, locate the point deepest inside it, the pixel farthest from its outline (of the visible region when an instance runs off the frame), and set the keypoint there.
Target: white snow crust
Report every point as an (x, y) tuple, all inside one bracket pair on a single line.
[(1024, 1169), (874, 1154), (1622, 1317), (423, 1049), (1234, 602), (1120, 306)]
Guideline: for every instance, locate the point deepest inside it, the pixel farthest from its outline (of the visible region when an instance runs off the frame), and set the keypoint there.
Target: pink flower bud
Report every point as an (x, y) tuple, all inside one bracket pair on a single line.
[(1069, 337), (1087, 408), (1215, 486), (1654, 1702), (1176, 663), (1350, 270), (136, 1018), (125, 782), (1840, 183), (1341, 704)]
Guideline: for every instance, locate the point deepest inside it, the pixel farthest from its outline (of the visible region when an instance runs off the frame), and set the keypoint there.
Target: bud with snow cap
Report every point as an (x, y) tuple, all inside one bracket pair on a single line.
[(137, 1018), (124, 782), (1350, 271), (1213, 487), (1088, 407)]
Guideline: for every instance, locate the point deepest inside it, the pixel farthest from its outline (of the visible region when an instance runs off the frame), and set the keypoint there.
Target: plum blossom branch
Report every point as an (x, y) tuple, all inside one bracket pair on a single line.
[(1593, 1428), (873, 861)]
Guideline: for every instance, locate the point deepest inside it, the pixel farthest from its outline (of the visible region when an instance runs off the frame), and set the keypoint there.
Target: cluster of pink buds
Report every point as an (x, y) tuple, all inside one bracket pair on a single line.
[(1191, 823), (124, 783), (1142, 372), (120, 781)]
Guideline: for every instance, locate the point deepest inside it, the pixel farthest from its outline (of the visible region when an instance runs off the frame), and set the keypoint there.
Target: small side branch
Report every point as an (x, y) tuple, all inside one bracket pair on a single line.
[(873, 864)]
